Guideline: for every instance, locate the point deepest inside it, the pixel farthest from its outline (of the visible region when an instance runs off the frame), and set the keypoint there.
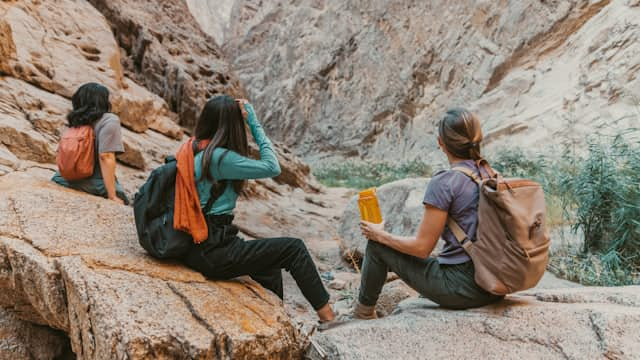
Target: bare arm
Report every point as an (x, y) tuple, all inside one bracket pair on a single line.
[(108, 168), (422, 244)]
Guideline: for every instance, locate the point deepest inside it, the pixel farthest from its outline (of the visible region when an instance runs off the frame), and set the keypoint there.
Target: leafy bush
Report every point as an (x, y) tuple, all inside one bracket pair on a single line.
[(602, 195), (515, 163), (593, 269), (362, 175)]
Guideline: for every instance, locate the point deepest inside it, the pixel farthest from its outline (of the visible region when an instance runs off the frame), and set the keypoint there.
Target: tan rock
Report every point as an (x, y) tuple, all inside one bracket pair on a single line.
[(392, 294), (146, 151), (30, 120), (7, 158), (44, 110), (86, 275), (169, 54), (4, 170), (140, 110), (165, 125), (18, 135), (606, 326), (59, 58), (20, 340), (133, 105), (55, 55)]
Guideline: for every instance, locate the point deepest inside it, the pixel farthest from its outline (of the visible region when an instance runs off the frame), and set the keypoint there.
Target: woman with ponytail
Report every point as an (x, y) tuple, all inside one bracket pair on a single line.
[(447, 279), (91, 107)]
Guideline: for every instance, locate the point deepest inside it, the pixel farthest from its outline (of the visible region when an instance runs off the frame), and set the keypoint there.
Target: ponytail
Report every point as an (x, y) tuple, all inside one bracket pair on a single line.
[(461, 134)]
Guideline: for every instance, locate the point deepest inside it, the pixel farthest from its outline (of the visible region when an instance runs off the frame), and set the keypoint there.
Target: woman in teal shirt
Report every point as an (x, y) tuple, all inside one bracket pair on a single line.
[(221, 171)]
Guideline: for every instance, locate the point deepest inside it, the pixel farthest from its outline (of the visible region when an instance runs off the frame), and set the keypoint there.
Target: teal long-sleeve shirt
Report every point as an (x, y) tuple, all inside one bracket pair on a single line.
[(236, 167)]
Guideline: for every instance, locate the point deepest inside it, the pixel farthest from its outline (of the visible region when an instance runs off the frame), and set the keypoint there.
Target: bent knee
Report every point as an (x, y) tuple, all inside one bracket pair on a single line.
[(297, 243), (376, 246)]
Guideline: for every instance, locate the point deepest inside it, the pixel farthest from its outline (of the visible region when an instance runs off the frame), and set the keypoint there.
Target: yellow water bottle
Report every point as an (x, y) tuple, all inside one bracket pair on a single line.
[(369, 207)]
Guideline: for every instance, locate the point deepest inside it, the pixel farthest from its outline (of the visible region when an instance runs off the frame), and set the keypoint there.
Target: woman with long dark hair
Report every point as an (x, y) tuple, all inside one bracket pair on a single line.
[(91, 107), (448, 279), (213, 168)]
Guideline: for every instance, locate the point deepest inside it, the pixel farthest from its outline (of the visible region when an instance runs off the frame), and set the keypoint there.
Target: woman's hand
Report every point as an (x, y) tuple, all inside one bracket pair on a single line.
[(243, 110), (117, 200), (371, 231)]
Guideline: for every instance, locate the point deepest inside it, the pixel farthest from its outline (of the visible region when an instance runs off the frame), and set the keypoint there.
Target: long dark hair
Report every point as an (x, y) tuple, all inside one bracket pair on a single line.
[(90, 103), (221, 122), (461, 134)]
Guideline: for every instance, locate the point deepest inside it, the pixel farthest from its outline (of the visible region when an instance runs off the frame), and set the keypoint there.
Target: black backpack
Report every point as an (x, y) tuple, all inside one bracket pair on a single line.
[(153, 211)]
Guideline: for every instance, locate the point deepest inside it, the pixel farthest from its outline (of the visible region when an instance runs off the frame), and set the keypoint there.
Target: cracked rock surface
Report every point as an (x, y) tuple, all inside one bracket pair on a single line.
[(579, 323), (71, 261)]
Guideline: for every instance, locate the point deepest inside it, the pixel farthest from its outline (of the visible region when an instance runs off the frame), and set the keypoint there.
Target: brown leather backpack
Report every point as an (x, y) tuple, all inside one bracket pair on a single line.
[(511, 249), (76, 153)]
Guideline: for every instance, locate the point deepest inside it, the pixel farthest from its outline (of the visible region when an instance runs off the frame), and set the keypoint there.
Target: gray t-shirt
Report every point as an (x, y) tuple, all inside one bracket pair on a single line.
[(108, 135), (457, 194)]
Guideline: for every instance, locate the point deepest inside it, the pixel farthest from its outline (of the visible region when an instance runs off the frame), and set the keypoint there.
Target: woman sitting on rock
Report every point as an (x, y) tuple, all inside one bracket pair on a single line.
[(448, 279), (212, 171), (91, 107)]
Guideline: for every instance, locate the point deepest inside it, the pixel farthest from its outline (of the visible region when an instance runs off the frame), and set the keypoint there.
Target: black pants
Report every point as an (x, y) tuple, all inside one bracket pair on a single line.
[(262, 260)]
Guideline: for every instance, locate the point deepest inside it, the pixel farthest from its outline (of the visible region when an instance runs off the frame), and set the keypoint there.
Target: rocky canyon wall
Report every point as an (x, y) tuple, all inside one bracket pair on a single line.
[(371, 79), (213, 16), (160, 68)]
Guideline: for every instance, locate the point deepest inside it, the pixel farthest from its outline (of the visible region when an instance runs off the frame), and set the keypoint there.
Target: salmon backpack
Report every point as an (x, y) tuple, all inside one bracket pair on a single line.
[(76, 153), (511, 249)]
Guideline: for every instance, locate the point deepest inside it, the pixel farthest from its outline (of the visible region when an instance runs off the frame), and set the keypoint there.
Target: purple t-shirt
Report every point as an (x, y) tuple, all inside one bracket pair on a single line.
[(457, 194)]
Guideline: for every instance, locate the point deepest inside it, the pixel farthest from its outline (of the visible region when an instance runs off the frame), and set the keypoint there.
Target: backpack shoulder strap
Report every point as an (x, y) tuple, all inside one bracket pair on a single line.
[(460, 235), (214, 192), (457, 231), (470, 173)]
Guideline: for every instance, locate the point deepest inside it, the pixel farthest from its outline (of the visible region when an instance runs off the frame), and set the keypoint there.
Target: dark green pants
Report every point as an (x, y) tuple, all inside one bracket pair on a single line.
[(450, 286), (92, 185)]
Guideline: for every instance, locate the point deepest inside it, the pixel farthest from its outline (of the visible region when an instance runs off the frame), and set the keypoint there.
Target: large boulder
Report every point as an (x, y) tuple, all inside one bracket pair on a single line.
[(583, 323), (21, 340), (82, 271), (341, 79), (59, 56), (402, 210), (31, 120)]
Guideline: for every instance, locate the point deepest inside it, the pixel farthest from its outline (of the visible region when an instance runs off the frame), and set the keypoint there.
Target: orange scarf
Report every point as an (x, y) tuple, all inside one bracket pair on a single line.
[(187, 214)]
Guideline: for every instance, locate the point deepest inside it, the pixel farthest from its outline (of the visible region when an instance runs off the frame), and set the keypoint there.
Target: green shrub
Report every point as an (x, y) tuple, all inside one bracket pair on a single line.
[(593, 269), (515, 163), (602, 196), (362, 175)]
